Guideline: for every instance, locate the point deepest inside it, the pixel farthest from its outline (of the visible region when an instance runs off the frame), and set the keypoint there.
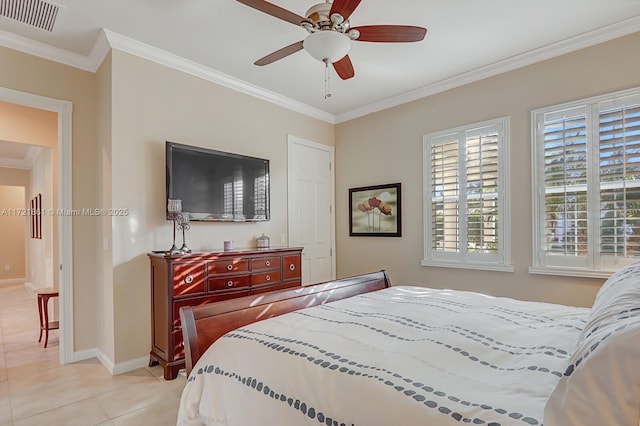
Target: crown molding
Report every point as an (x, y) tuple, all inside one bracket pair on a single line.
[(99, 51), (572, 44), (45, 51), (179, 63), (32, 155), (109, 39), (22, 163)]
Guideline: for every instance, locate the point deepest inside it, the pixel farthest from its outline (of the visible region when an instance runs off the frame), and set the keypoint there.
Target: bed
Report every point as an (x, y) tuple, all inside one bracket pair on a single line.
[(358, 351)]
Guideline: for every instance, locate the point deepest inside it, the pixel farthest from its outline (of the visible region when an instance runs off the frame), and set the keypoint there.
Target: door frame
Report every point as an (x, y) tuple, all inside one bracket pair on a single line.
[(64, 110), (294, 140)]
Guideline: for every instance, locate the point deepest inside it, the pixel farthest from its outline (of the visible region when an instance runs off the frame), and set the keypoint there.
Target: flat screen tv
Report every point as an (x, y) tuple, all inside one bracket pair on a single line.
[(217, 186)]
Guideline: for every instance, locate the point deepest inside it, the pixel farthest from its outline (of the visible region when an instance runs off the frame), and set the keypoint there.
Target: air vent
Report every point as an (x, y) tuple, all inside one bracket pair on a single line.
[(37, 13)]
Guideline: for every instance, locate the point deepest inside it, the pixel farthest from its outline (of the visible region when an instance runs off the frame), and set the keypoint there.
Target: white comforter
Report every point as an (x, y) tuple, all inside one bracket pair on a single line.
[(400, 356)]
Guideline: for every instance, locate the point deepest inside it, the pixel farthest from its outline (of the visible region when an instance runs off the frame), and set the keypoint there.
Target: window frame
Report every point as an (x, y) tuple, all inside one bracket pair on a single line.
[(462, 259), (593, 265)]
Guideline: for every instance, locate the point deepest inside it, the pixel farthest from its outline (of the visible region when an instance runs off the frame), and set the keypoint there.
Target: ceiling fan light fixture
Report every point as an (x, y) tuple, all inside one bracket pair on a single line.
[(353, 34), (329, 45), (337, 19)]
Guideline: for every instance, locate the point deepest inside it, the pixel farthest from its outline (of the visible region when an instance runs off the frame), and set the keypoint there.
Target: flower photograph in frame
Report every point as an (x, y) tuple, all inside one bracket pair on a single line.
[(375, 211)]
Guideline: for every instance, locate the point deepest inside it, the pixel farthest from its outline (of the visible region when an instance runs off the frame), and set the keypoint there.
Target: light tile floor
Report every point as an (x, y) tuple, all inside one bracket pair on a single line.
[(35, 389)]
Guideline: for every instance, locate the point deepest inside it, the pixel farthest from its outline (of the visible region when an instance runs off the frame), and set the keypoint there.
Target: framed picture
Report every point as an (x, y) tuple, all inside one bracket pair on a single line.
[(35, 216), (375, 211)]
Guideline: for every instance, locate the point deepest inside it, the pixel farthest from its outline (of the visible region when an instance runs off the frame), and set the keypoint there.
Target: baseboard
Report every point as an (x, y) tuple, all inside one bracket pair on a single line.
[(29, 286), (123, 367), (105, 360), (134, 364), (11, 281), (84, 355)]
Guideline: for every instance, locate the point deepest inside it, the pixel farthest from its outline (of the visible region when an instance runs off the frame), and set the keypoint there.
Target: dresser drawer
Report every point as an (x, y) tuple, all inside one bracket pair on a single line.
[(291, 267), (228, 266), (188, 279), (263, 263), (265, 278), (228, 283)]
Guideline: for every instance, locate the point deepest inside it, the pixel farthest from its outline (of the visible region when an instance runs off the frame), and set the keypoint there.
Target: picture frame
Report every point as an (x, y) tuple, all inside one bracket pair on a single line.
[(376, 211), (35, 216)]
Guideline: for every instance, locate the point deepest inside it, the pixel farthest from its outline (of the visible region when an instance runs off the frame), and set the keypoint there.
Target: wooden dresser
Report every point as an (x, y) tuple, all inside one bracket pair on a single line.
[(199, 278)]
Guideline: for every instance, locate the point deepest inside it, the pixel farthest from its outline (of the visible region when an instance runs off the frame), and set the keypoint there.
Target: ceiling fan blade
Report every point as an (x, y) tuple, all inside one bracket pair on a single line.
[(279, 54), (273, 10), (390, 33), (344, 7), (344, 68)]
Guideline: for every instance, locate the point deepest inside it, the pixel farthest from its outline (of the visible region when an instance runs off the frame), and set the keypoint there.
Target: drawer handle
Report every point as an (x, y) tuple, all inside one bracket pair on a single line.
[(188, 279), (267, 263), (229, 283), (268, 278), (292, 267), (229, 267)]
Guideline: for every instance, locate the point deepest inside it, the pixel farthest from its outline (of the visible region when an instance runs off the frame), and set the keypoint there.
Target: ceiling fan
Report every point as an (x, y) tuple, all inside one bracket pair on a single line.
[(330, 33)]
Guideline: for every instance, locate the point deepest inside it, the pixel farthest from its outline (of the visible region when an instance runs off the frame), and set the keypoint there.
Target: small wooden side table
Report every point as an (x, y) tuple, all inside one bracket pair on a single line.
[(43, 311)]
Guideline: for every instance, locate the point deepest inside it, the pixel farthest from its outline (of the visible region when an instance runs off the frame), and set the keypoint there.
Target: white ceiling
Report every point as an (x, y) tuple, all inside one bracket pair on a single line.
[(466, 40)]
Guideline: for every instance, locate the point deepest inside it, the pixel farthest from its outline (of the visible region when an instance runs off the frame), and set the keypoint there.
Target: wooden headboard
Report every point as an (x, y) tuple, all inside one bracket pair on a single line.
[(203, 325)]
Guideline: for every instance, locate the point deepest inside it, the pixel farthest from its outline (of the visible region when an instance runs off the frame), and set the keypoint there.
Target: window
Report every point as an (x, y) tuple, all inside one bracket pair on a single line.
[(466, 209), (586, 176)]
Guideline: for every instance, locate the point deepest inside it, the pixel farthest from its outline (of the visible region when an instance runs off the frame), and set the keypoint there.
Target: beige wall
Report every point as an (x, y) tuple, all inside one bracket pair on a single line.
[(32, 126), (26, 73), (13, 225), (151, 104), (122, 116), (15, 177), (20, 178), (387, 147)]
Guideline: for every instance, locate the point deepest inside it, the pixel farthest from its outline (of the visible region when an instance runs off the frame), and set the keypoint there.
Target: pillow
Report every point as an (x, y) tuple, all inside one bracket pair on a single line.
[(601, 385), (625, 280)]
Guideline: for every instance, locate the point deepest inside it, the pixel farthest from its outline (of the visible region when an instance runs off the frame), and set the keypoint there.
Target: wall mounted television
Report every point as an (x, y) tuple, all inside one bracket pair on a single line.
[(217, 186)]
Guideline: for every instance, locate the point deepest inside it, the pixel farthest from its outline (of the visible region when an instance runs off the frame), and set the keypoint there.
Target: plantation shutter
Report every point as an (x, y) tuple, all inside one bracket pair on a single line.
[(619, 159), (466, 175), (473, 192), (587, 180), (565, 182), (445, 194), (482, 189)]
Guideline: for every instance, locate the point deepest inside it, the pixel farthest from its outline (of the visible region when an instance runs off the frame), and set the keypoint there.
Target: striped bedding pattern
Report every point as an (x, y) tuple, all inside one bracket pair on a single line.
[(400, 356)]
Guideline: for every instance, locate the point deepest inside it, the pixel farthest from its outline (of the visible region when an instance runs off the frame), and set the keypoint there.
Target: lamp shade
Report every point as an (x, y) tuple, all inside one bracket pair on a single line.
[(329, 45)]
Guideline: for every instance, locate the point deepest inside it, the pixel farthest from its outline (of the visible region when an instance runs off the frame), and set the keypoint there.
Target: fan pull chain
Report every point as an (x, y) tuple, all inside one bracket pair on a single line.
[(327, 79)]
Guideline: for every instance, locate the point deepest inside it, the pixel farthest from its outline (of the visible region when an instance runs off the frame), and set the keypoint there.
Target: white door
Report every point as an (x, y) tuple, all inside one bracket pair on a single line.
[(310, 208)]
